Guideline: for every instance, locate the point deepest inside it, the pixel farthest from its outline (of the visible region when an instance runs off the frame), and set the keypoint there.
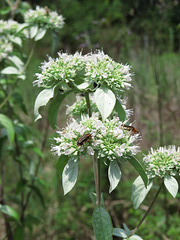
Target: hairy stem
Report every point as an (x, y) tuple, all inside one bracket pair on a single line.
[(146, 213)]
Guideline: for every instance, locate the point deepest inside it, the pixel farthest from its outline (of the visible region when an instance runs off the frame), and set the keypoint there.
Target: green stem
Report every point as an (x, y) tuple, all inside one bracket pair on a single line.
[(14, 87), (96, 161), (146, 213), (88, 104)]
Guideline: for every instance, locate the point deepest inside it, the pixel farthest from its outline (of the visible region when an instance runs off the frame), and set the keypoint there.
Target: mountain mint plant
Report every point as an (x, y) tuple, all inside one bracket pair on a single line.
[(99, 128)]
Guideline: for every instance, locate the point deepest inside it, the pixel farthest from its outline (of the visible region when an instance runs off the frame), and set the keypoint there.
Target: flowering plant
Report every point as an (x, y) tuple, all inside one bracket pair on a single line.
[(100, 125), (99, 128)]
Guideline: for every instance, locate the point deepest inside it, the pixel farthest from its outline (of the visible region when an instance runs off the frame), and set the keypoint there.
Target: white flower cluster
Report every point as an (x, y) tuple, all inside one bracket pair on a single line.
[(109, 139), (80, 107), (94, 69), (162, 161), (60, 70), (8, 27), (5, 48), (43, 17)]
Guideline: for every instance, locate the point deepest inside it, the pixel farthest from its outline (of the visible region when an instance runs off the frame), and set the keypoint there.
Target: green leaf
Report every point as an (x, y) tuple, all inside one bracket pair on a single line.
[(17, 62), (38, 152), (20, 185), (102, 224), (7, 123), (105, 101), (42, 99), (40, 34), (69, 175), (22, 27), (137, 165), (114, 175), (54, 107), (139, 191), (5, 10), (10, 70), (118, 232), (9, 211), (33, 31), (37, 191), (171, 185), (120, 110), (61, 163), (18, 233), (83, 85), (16, 40)]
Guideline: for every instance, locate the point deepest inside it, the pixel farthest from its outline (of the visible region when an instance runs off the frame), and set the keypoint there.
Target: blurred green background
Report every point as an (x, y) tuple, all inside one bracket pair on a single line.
[(145, 35)]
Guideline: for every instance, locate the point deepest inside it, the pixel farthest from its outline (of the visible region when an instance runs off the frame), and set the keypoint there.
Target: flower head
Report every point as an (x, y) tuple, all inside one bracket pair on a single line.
[(162, 161), (94, 69), (44, 18), (108, 139), (5, 48)]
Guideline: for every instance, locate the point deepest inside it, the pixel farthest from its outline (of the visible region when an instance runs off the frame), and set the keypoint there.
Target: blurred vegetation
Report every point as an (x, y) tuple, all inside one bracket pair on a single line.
[(146, 35)]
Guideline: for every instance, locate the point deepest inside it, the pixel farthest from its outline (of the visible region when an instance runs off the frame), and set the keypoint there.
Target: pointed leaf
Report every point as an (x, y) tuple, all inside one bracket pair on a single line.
[(54, 107), (120, 110), (33, 31), (114, 175), (37, 191), (10, 70), (118, 232), (69, 175), (105, 101), (9, 211), (18, 233), (7, 123), (41, 100), (61, 163), (17, 62), (137, 165), (40, 34), (171, 185), (139, 191), (83, 85), (16, 40), (102, 224)]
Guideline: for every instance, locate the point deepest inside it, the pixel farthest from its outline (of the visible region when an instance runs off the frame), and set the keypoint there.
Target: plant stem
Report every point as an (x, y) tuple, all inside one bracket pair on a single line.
[(88, 104), (96, 161), (14, 87), (146, 213)]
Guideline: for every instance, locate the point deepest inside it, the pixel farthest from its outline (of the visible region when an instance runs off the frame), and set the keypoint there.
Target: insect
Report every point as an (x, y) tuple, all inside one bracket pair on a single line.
[(47, 10), (84, 138), (130, 128)]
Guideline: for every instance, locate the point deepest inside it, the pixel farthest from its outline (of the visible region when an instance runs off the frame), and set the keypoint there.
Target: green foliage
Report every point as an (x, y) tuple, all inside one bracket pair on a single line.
[(139, 191), (171, 185), (102, 224), (105, 101), (126, 31)]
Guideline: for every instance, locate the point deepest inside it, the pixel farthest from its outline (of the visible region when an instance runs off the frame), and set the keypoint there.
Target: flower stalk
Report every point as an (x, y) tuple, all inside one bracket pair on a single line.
[(148, 210)]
